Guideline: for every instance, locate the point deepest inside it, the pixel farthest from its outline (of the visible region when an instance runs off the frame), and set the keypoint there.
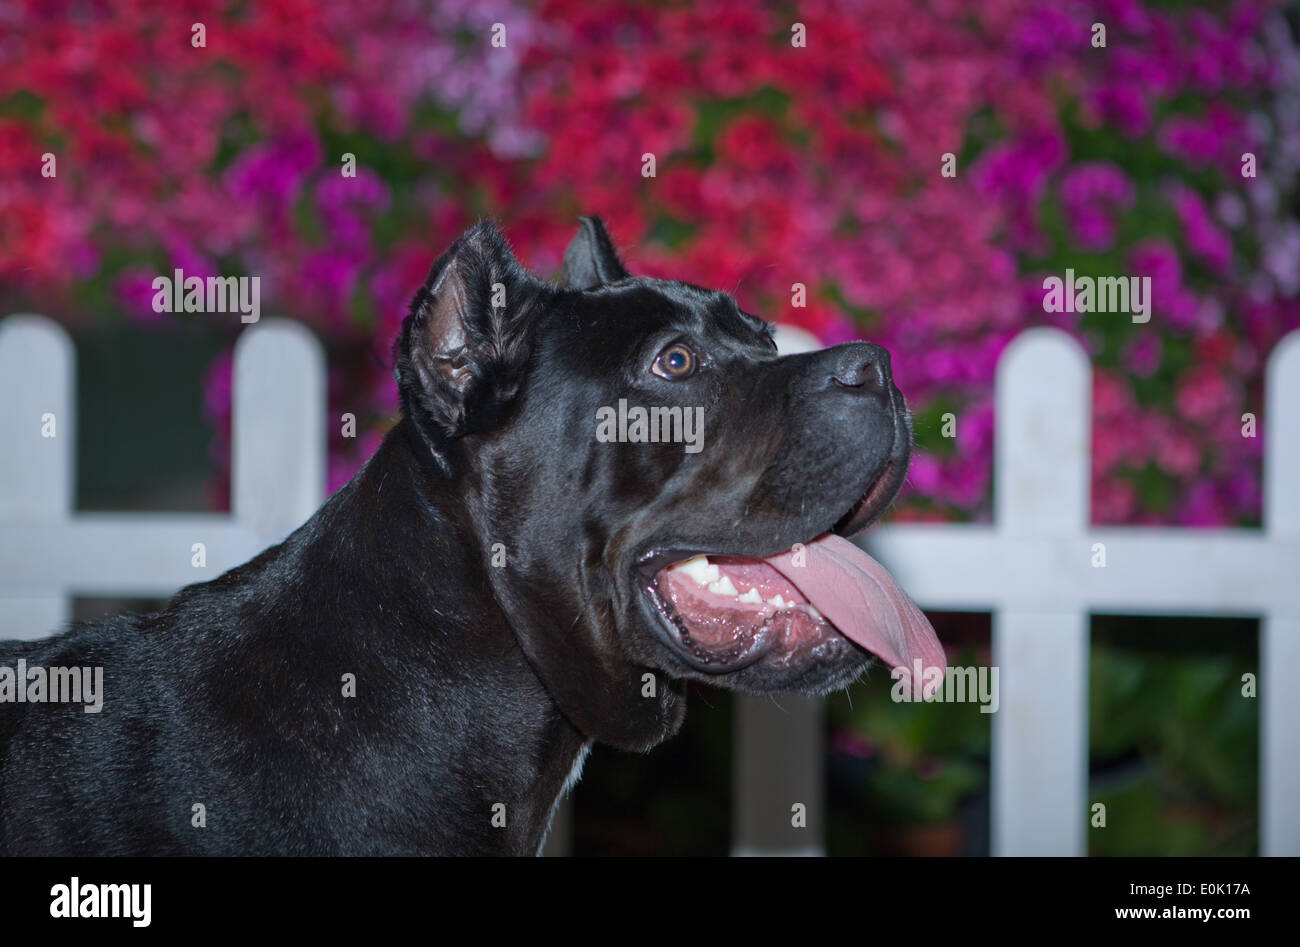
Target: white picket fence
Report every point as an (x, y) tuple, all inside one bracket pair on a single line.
[(49, 552), (1032, 569)]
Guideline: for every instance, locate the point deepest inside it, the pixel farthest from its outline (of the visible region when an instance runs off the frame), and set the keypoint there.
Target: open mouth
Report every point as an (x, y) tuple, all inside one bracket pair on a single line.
[(725, 612), (873, 502)]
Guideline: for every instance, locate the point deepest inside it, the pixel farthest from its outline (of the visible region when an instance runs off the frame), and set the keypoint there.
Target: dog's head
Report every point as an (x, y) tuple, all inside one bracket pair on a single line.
[(657, 493)]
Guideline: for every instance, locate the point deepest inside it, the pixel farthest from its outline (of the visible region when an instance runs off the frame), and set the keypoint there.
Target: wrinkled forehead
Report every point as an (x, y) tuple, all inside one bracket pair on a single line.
[(621, 315)]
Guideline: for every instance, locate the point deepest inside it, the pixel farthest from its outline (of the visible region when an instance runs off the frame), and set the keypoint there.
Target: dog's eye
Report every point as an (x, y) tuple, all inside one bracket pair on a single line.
[(676, 361), (772, 343)]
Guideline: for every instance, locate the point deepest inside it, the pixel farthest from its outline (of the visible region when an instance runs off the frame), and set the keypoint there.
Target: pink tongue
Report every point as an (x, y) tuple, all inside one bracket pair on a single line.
[(865, 604)]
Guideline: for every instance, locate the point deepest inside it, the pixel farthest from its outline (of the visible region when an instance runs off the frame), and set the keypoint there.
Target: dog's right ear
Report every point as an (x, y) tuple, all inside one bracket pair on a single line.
[(591, 260), (463, 348)]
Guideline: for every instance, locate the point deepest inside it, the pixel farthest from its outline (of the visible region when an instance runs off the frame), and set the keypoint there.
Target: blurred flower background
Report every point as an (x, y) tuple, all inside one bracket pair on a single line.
[(775, 165)]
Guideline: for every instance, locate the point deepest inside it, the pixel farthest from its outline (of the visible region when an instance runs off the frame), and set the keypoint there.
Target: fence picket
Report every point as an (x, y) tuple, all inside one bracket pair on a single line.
[(37, 373), (1041, 477), (1279, 647), (1031, 568)]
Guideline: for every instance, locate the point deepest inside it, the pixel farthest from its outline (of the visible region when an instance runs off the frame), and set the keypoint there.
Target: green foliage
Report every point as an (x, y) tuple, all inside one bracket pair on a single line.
[(1190, 739), (930, 756)]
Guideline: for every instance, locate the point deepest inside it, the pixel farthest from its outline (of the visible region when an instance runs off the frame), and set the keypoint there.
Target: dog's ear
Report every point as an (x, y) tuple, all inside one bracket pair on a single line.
[(590, 259), (463, 348)]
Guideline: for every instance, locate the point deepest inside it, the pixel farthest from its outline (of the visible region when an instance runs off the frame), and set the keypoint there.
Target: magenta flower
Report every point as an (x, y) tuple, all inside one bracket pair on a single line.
[(1206, 241), (1123, 105), (1142, 355), (1092, 194), (775, 166)]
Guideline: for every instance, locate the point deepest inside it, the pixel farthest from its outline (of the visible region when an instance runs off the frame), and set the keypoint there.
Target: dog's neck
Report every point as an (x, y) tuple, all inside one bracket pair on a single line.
[(410, 593)]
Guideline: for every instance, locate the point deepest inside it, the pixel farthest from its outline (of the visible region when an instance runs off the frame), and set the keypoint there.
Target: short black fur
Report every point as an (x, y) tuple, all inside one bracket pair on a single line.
[(478, 682)]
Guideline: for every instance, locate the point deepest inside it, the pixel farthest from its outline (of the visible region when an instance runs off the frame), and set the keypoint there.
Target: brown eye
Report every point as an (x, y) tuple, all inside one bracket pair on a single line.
[(676, 361)]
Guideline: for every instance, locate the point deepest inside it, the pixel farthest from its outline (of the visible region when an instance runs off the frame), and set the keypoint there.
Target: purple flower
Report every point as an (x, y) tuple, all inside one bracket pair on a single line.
[(329, 276), (1019, 169), (1142, 356), (1128, 16), (1015, 175), (1204, 239), (1201, 506), (1042, 33), (1124, 106), (217, 386), (1190, 140), (1171, 303), (1243, 490), (342, 203), (134, 289), (1090, 193), (274, 172)]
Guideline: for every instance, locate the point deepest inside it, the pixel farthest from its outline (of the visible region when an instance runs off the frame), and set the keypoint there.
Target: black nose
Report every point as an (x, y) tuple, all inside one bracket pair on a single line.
[(861, 365)]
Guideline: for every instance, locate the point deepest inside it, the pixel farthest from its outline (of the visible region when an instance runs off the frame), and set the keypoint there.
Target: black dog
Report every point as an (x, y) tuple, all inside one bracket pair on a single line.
[(423, 665)]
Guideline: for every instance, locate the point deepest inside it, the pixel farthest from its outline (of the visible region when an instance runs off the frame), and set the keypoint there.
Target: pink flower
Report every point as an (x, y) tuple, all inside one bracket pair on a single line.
[(1203, 395), (1113, 501)]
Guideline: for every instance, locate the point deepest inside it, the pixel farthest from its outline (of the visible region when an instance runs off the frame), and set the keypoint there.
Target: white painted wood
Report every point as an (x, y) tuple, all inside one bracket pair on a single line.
[(1226, 572), (1279, 724), (1150, 571), (791, 340), (49, 553), (145, 554), (1031, 568), (1040, 739), (28, 617), (37, 366), (1280, 632), (1041, 446), (278, 451), (1041, 480)]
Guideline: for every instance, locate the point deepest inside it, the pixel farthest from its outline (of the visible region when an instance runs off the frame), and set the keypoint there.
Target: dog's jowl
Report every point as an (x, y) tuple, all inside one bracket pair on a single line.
[(422, 665)]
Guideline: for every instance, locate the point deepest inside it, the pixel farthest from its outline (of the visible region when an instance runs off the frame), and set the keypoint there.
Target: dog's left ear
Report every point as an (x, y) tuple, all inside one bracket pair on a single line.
[(463, 348), (591, 260)]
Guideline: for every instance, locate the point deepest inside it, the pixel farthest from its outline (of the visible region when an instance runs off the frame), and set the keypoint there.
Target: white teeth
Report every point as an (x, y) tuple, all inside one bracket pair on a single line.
[(700, 569), (707, 574), (813, 612), (723, 587)]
